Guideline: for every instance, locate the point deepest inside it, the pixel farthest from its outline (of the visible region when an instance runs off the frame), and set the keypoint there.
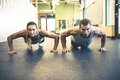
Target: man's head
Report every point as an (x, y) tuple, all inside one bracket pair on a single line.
[(32, 29), (85, 26)]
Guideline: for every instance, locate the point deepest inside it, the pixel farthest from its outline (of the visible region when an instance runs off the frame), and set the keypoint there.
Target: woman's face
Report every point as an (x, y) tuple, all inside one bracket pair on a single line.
[(32, 30)]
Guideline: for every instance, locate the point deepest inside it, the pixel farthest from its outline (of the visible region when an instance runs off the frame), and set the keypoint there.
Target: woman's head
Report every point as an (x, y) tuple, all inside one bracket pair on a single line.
[(32, 29)]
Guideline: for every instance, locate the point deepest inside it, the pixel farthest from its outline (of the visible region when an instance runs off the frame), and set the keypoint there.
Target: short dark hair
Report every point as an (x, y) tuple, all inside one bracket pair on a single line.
[(85, 22), (31, 23)]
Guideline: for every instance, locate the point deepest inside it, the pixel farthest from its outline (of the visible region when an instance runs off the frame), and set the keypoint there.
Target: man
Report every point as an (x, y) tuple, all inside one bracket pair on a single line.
[(32, 35), (83, 36)]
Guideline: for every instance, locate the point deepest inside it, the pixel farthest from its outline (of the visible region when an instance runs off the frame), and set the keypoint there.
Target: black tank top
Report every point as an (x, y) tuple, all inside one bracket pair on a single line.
[(36, 39)]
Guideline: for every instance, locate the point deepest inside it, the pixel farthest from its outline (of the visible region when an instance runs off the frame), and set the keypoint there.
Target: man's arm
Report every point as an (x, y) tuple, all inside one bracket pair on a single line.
[(103, 42), (10, 40), (101, 33), (51, 35), (63, 38)]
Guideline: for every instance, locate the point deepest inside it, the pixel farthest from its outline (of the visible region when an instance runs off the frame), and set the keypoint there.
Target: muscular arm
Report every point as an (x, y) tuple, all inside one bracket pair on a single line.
[(100, 33), (14, 36), (51, 35), (66, 34)]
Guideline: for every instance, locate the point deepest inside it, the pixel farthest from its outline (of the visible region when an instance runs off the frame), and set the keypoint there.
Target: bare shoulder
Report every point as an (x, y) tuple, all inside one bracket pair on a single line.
[(70, 31), (41, 30), (44, 32), (95, 28), (20, 33), (98, 30), (24, 31), (73, 30)]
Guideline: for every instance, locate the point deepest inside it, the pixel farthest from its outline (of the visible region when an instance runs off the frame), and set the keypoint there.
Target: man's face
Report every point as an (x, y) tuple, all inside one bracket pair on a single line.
[(32, 30), (85, 30)]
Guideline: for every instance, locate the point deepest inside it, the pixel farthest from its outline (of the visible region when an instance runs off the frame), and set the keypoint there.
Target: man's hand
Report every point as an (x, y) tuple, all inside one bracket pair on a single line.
[(103, 49), (12, 52)]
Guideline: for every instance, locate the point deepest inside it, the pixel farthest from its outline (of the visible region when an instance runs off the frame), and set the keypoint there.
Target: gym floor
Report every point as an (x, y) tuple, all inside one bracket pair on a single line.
[(79, 64)]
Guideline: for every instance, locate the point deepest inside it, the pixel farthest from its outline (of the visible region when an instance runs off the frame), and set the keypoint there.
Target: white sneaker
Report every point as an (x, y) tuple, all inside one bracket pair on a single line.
[(29, 47), (40, 45)]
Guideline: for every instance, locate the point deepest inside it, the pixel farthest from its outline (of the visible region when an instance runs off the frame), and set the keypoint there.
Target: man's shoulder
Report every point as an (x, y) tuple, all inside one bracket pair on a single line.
[(73, 29), (95, 27)]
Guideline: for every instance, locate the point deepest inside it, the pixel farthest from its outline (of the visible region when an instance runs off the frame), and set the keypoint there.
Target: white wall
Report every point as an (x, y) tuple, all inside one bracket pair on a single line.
[(94, 11), (14, 15)]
